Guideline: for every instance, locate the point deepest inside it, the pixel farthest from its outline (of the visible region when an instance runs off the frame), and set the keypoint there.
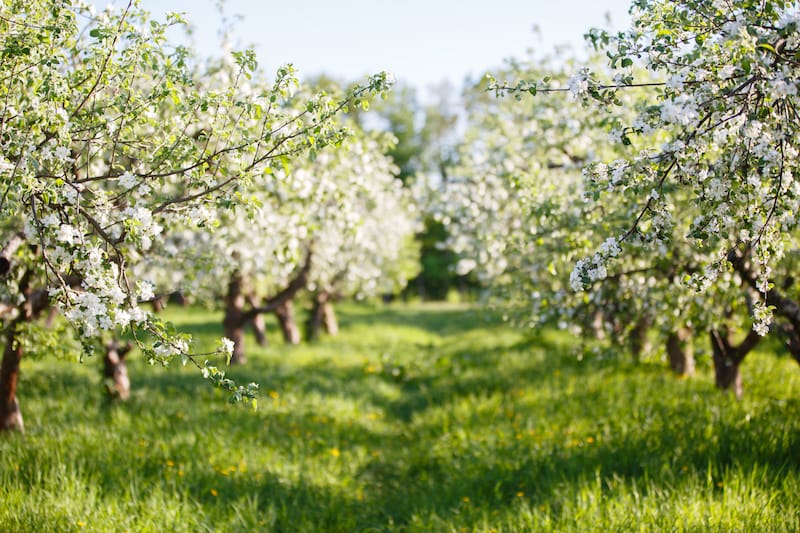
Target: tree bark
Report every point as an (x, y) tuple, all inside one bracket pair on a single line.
[(259, 330), (728, 357), (329, 317), (10, 414), (315, 318), (158, 304), (233, 321), (257, 323), (236, 317), (30, 308), (115, 371), (285, 316), (178, 298), (680, 353)]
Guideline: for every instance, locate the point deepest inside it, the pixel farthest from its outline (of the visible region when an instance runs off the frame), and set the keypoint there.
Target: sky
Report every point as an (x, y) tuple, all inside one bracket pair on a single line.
[(422, 42)]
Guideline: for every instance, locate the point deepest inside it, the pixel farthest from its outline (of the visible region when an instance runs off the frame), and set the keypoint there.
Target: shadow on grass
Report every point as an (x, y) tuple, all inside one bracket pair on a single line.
[(662, 441), (451, 428)]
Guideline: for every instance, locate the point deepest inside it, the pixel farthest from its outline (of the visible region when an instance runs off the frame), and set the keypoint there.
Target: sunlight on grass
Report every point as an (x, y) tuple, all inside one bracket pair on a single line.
[(416, 418)]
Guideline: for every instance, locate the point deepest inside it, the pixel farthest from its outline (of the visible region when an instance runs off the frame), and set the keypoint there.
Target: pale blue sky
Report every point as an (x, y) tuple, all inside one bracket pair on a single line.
[(421, 41)]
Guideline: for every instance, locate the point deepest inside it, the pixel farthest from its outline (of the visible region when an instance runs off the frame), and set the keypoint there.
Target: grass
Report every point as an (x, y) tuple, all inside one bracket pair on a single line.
[(417, 418)]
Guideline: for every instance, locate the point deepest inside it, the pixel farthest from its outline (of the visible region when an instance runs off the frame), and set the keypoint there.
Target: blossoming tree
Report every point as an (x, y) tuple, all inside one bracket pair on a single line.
[(721, 181), (107, 142)]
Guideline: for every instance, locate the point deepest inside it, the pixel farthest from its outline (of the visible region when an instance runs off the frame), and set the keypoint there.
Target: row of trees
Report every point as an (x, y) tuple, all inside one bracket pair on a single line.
[(128, 165), (648, 190), (654, 192)]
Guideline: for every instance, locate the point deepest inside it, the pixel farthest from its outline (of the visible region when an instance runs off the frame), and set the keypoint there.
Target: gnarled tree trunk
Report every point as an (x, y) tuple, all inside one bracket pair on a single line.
[(158, 304), (322, 315), (257, 323), (10, 415), (728, 357), (680, 353), (115, 371), (329, 317), (29, 309), (236, 317), (285, 315), (234, 322), (259, 330), (315, 319)]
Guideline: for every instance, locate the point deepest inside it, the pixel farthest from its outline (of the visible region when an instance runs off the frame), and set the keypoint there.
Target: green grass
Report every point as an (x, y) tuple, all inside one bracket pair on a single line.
[(419, 418)]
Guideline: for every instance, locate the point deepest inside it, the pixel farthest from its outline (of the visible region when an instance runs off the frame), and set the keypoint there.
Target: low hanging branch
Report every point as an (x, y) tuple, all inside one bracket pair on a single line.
[(784, 307)]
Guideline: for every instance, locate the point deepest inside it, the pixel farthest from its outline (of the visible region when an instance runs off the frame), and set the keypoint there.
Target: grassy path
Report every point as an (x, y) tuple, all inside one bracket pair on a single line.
[(421, 418)]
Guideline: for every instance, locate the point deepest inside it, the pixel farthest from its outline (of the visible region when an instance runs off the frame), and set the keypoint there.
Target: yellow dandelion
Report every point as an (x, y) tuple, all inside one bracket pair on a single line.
[(520, 494), (273, 394), (170, 463), (214, 492), (81, 523), (590, 440), (335, 452), (465, 499)]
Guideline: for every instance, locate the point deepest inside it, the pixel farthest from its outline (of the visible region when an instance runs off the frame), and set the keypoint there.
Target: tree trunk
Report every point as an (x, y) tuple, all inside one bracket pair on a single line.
[(10, 415), (316, 318), (257, 322), (289, 329), (158, 304), (726, 372), (680, 353), (728, 357), (178, 298), (233, 322), (329, 317), (259, 330), (115, 371)]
